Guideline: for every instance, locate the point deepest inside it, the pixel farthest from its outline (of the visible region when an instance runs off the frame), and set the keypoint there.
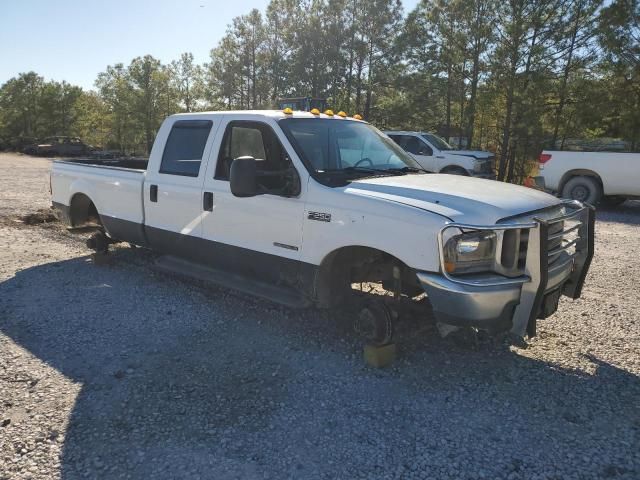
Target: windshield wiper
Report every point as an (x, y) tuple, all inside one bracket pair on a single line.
[(407, 170), (365, 170)]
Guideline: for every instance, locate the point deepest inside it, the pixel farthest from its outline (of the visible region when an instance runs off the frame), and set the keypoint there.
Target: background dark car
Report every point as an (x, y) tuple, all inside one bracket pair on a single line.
[(60, 147), (18, 144)]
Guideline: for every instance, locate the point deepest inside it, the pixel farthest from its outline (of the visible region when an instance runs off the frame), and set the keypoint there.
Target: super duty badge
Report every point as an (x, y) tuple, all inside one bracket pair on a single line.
[(319, 216)]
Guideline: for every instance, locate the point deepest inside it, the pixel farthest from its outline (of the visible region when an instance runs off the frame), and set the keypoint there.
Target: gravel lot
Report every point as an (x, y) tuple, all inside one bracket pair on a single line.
[(123, 372)]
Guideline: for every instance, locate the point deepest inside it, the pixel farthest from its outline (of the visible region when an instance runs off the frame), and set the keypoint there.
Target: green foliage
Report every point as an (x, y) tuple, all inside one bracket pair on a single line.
[(513, 77)]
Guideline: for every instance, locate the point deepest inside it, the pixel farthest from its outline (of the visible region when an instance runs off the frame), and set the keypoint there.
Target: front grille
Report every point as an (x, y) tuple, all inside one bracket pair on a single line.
[(487, 165), (511, 252), (543, 249), (522, 250), (563, 237)]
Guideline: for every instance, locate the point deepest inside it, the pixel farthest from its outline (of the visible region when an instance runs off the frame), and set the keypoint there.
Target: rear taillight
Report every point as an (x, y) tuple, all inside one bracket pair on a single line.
[(544, 158)]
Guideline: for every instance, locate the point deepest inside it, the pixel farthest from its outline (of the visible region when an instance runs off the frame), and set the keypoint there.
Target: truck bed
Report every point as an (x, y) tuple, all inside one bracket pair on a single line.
[(114, 188), (618, 173)]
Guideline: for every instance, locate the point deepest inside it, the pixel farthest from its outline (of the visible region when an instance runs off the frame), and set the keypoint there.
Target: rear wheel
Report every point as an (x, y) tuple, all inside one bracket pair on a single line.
[(583, 189)]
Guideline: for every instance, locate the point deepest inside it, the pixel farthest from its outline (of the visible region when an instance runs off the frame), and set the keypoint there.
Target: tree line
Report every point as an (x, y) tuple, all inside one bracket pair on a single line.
[(512, 76)]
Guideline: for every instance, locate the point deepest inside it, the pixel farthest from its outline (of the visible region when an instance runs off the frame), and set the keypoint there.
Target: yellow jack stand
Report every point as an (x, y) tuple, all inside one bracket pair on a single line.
[(380, 356)]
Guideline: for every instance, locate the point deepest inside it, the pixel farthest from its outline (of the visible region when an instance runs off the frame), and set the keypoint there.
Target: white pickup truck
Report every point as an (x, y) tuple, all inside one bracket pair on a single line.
[(434, 154), (594, 177), (301, 207)]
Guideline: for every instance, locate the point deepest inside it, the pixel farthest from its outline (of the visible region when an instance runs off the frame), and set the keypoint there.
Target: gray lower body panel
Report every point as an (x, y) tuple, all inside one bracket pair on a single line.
[(486, 307), (264, 274), (489, 308)]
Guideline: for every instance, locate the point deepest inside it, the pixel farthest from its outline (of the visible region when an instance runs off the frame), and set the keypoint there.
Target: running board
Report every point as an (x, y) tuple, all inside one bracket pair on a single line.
[(281, 295)]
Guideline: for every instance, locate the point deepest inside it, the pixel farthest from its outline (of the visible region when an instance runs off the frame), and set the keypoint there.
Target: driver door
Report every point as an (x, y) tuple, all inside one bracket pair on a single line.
[(259, 237), (422, 152)]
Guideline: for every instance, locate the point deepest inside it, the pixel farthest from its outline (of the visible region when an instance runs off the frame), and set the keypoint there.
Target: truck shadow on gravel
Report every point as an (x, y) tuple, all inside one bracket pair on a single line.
[(179, 381), (627, 213)]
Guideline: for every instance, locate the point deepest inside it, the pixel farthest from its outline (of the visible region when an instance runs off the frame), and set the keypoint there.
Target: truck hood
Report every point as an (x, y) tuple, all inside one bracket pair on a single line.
[(479, 154), (462, 199)]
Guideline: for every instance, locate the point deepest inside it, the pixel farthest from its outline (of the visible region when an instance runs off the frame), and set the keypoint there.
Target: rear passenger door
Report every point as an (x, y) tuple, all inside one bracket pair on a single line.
[(173, 186)]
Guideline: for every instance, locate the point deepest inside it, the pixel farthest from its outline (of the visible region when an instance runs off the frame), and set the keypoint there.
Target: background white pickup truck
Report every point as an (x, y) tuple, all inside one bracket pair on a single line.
[(300, 207), (592, 177), (434, 154)]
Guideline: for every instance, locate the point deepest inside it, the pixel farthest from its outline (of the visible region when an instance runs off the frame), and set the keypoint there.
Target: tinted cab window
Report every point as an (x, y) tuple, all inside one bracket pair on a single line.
[(412, 144), (184, 148)]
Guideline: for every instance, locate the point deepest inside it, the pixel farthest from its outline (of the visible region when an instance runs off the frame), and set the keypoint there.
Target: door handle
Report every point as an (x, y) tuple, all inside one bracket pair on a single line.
[(207, 201), (153, 193)]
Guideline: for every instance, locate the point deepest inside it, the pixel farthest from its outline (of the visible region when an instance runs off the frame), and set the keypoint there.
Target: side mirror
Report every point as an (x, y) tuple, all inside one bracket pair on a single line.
[(243, 177)]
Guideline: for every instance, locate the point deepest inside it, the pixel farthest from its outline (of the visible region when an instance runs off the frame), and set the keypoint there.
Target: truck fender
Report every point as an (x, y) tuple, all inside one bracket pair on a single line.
[(332, 276), (82, 203), (579, 172)]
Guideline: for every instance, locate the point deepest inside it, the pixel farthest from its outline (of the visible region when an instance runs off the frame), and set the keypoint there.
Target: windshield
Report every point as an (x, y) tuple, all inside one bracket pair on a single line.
[(333, 146), (437, 141)]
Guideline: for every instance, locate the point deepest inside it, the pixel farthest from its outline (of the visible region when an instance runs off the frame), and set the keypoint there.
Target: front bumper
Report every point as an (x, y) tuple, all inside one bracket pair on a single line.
[(501, 303)]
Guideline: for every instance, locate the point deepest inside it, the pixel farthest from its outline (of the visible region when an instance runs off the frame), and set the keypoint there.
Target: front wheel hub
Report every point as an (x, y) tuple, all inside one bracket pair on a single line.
[(374, 323)]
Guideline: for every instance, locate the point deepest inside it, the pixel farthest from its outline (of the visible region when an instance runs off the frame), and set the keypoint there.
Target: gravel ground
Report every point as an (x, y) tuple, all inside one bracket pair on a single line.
[(123, 372)]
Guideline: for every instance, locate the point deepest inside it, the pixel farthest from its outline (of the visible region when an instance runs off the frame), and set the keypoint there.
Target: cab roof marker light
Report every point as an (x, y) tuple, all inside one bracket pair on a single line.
[(342, 114), (329, 112), (315, 111), (287, 111), (357, 116)]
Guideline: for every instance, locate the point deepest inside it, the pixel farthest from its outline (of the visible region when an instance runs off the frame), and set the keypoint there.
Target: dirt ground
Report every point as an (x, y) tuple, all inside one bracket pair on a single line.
[(120, 371)]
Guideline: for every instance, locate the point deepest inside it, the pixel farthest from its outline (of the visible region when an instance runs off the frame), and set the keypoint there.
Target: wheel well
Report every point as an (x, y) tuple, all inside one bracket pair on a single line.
[(356, 264), (83, 211), (577, 173)]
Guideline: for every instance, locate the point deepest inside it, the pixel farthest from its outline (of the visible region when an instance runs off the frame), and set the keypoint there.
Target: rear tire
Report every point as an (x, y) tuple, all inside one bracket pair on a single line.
[(583, 189)]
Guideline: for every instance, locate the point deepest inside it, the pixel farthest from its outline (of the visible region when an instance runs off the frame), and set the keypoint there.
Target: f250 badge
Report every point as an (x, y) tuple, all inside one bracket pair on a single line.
[(319, 216)]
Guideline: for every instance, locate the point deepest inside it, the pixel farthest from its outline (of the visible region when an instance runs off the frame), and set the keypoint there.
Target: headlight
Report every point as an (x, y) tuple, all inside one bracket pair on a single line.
[(470, 252)]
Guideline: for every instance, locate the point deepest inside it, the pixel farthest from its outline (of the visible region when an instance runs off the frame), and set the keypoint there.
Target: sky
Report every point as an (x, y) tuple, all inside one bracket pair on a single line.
[(74, 40)]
